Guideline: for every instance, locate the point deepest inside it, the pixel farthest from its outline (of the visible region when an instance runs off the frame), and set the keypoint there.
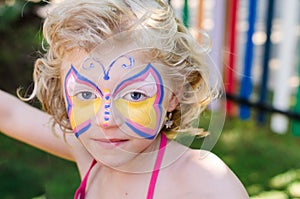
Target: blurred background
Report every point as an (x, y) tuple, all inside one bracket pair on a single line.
[(254, 47)]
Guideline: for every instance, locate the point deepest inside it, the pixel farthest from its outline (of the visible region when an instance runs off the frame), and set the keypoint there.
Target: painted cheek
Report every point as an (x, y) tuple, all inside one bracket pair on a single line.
[(141, 113), (82, 111), (145, 117)]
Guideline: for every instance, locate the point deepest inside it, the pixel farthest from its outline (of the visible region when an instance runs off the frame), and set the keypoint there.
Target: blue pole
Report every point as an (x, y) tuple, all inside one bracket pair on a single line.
[(261, 118), (246, 84)]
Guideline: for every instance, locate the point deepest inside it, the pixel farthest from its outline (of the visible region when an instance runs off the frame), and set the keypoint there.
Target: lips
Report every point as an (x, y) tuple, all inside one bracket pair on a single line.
[(111, 142)]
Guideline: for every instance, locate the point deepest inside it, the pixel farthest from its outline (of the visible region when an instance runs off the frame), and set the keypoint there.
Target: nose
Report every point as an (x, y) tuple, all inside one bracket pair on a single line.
[(104, 117)]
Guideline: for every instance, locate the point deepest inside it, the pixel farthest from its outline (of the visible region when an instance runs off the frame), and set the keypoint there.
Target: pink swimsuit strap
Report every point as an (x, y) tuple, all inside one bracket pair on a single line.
[(156, 169), (80, 192)]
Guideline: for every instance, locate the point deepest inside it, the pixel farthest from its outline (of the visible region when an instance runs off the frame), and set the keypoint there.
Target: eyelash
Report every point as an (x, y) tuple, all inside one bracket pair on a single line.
[(80, 95), (129, 96)]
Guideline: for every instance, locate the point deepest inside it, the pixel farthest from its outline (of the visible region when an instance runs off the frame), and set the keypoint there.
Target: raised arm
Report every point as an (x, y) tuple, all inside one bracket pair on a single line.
[(31, 125)]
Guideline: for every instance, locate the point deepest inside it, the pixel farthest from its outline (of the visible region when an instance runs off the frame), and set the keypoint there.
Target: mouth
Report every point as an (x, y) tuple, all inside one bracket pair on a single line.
[(110, 143)]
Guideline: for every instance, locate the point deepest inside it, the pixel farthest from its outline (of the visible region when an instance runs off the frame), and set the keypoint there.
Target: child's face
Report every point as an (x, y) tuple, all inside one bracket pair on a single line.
[(116, 101)]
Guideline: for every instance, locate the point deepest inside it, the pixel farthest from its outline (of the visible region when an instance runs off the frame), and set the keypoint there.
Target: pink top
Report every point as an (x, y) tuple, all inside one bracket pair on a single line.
[(80, 192)]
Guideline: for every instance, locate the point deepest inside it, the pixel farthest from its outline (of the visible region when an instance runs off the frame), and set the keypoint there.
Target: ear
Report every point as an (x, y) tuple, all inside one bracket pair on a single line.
[(173, 102)]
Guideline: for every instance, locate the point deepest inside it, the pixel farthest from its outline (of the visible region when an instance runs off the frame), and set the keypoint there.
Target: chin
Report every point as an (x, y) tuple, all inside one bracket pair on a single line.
[(116, 162), (125, 163)]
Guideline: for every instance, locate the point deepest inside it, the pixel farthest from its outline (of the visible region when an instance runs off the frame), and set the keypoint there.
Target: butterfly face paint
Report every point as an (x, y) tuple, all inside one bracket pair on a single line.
[(137, 99), (83, 100), (84, 97)]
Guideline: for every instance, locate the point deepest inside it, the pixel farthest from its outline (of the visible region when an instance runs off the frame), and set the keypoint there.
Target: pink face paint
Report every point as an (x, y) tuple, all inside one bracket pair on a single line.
[(81, 110), (138, 99), (151, 107)]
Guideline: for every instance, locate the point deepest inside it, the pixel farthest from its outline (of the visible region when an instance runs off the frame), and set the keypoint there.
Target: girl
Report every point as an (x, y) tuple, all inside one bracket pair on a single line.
[(118, 78)]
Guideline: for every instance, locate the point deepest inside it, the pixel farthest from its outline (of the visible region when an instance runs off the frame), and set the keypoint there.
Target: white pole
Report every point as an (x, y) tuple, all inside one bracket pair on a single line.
[(216, 54), (286, 54)]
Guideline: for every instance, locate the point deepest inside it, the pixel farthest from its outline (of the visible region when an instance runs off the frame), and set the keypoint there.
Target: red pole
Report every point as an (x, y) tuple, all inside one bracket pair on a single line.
[(230, 80)]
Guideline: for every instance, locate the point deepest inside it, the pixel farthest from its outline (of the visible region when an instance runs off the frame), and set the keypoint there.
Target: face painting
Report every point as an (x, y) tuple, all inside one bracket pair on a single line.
[(83, 101), (137, 99)]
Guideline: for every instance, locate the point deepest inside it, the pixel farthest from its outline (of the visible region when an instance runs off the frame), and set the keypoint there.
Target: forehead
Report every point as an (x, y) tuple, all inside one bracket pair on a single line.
[(114, 59), (97, 66)]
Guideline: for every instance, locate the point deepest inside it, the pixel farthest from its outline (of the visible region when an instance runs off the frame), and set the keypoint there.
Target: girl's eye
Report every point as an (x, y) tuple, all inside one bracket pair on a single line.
[(135, 96), (86, 95)]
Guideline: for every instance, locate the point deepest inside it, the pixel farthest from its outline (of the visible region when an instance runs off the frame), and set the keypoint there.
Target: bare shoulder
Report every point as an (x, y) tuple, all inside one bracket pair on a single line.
[(204, 175)]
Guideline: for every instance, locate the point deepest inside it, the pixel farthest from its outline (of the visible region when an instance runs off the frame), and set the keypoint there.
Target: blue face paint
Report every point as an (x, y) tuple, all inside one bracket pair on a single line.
[(81, 111), (142, 114)]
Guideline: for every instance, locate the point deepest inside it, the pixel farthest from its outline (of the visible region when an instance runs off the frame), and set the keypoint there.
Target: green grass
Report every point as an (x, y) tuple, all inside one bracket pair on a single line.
[(267, 164), (260, 158), (26, 172)]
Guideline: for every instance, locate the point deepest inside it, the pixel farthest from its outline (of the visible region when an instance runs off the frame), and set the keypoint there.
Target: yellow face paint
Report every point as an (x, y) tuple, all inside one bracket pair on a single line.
[(80, 108), (138, 100), (82, 111), (144, 116), (140, 112)]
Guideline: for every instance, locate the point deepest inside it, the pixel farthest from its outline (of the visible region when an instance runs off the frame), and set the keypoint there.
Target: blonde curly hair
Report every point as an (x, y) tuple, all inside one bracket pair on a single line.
[(86, 23)]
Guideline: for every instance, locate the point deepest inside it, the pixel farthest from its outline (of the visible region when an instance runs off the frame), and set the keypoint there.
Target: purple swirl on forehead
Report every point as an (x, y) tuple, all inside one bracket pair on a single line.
[(87, 66), (130, 65), (91, 65)]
